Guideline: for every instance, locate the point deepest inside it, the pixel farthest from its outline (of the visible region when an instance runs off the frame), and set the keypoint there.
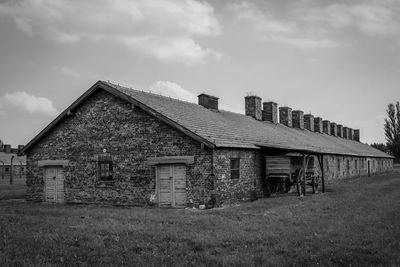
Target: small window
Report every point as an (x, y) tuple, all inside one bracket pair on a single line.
[(338, 164), (235, 168), (7, 169), (348, 165), (356, 165), (105, 168)]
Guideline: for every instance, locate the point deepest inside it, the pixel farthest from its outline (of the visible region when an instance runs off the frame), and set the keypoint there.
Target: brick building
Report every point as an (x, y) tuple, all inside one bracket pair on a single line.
[(128, 147), (10, 163)]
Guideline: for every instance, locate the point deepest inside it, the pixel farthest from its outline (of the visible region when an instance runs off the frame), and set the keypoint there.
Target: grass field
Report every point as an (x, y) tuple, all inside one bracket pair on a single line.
[(356, 222), (16, 190)]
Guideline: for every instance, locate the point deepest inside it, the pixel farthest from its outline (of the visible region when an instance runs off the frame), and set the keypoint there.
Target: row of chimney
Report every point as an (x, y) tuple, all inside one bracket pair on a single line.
[(295, 118), (8, 149)]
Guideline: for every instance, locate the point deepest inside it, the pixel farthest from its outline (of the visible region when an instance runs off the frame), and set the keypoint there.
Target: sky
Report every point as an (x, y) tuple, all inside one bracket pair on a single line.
[(339, 60)]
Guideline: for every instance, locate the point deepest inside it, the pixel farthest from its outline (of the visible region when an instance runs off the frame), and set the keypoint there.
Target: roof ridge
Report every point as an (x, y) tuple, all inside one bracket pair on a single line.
[(146, 92)]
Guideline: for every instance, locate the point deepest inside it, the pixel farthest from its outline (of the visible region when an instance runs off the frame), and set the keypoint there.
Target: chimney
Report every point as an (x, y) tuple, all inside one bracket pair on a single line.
[(356, 135), (326, 126), (285, 116), (208, 101), (318, 125), (333, 129), (270, 112), (340, 130), (298, 119), (253, 107), (20, 147), (309, 122), (7, 148), (345, 133), (351, 133)]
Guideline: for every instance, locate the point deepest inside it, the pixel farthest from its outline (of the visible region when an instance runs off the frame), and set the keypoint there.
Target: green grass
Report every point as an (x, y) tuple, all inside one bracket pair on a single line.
[(16, 190), (355, 223)]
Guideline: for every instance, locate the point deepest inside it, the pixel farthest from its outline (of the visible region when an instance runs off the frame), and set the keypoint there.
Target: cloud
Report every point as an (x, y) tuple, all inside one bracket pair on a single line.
[(372, 18), (26, 102), (142, 25), (289, 32), (305, 43), (182, 50), (173, 90)]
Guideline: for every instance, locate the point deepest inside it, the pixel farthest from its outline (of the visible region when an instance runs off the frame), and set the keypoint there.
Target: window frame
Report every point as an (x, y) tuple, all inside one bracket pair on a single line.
[(105, 166), (234, 170)]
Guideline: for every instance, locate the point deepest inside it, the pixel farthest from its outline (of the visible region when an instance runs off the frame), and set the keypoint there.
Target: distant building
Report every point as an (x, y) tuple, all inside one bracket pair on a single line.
[(129, 147), (9, 155)]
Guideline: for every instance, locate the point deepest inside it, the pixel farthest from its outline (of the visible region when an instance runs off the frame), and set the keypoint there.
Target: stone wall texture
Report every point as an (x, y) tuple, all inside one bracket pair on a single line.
[(130, 136), (249, 186)]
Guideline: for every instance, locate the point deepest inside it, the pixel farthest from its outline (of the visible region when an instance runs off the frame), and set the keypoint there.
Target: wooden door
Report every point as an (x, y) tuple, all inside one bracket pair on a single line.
[(54, 184), (179, 190), (171, 182)]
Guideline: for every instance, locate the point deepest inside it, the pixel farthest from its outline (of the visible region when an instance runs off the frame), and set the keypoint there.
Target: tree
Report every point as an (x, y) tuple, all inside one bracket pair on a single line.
[(392, 129), (381, 147)]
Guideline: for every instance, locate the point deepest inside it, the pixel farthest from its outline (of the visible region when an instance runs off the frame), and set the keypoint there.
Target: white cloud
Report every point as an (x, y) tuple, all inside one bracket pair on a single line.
[(173, 90), (149, 26), (288, 32), (183, 50), (30, 103), (373, 18)]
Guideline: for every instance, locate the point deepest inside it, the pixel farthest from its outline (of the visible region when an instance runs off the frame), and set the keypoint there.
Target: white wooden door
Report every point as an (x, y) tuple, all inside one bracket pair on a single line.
[(54, 185), (171, 180)]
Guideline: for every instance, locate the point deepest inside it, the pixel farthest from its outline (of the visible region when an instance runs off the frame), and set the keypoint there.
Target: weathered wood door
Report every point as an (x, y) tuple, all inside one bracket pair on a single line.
[(54, 184), (171, 183)]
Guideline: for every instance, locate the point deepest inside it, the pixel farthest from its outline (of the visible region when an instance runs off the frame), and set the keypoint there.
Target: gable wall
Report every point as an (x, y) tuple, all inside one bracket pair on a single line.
[(130, 136)]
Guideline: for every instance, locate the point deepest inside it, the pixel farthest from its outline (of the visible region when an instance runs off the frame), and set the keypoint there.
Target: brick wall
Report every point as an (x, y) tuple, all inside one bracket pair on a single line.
[(130, 136)]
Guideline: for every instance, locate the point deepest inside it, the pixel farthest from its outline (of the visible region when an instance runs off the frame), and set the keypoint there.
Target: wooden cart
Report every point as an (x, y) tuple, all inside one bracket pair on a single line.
[(284, 172)]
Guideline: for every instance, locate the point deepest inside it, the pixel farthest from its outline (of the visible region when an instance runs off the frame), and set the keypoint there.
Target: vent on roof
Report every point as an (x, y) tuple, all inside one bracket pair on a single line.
[(7, 148), (270, 112), (253, 107), (356, 135), (285, 116), (208, 101), (318, 125), (298, 119), (20, 147), (309, 122), (345, 133), (333, 129), (326, 127), (340, 130), (351, 133)]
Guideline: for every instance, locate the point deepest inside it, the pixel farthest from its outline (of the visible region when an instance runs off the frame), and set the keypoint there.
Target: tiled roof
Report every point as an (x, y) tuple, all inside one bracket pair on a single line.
[(228, 129)]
